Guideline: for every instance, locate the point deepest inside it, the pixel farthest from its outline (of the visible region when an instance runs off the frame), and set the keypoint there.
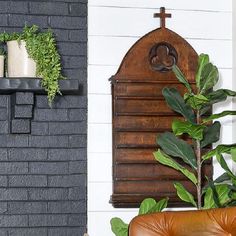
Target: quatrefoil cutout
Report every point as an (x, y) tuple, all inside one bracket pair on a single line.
[(163, 57)]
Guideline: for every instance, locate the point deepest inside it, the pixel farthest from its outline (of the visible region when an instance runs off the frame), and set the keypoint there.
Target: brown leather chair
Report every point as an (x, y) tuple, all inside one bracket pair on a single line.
[(213, 222)]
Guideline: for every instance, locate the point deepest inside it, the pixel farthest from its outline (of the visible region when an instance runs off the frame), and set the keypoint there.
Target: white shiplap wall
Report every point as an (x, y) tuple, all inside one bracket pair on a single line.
[(234, 73), (114, 26)]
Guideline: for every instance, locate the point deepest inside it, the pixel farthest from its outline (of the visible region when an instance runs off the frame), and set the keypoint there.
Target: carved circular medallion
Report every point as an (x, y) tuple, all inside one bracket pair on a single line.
[(163, 57)]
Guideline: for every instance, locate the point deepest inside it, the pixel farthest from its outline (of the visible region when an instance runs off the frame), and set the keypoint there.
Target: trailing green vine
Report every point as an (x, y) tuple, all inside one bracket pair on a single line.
[(41, 47)]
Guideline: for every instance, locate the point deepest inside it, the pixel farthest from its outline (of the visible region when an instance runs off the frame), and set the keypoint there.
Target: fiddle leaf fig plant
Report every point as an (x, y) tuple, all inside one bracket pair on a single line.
[(41, 47), (201, 131), (148, 205)]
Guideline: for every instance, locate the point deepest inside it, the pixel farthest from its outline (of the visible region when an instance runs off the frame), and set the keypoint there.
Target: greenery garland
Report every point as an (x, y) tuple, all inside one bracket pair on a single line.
[(41, 47)]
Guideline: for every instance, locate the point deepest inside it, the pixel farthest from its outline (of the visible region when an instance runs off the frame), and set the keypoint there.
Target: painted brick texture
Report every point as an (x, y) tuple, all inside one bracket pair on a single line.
[(43, 175)]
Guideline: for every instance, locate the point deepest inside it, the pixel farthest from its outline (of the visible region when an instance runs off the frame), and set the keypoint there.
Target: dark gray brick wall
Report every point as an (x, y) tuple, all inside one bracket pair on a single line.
[(43, 174)]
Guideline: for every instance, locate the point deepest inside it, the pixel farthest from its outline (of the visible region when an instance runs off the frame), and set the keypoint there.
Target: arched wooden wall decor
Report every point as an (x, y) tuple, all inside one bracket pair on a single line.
[(140, 114)]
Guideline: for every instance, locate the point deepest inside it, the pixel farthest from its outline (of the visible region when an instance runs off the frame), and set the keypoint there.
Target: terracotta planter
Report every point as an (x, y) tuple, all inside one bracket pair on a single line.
[(18, 62), (1, 66)]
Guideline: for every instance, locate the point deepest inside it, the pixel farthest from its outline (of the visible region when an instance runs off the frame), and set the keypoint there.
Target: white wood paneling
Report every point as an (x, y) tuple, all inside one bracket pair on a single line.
[(99, 138), (203, 25), (220, 51), (99, 223), (234, 75), (99, 189), (114, 26), (99, 75), (108, 50), (99, 109), (204, 5), (98, 78), (225, 81), (103, 162), (102, 189)]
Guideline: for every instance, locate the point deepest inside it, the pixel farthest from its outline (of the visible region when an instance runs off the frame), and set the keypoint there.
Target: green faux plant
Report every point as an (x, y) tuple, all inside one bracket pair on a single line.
[(148, 205), (199, 127), (41, 47)]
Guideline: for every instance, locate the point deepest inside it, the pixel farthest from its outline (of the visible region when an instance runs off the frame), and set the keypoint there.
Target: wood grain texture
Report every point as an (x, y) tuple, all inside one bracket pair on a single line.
[(140, 114)]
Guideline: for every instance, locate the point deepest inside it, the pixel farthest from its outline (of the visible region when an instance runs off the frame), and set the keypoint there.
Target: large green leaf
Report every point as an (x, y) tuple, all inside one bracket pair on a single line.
[(233, 154), (181, 77), (209, 77), (176, 102), (118, 227), (178, 148), (149, 205), (220, 149), (215, 97), (222, 178), (168, 161), (232, 187), (159, 206), (185, 127), (209, 201), (228, 92), (233, 182), (215, 194), (224, 165), (233, 195), (146, 205), (184, 194), (203, 59), (220, 95), (231, 204), (211, 134), (219, 115), (219, 180), (222, 192), (205, 108), (195, 101)]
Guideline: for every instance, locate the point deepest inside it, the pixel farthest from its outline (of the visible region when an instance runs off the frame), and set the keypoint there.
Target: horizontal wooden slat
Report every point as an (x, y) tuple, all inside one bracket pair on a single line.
[(134, 155), (139, 139), (140, 156), (149, 187), (143, 89), (142, 107), (134, 200), (143, 123), (152, 172), (140, 79), (135, 139)]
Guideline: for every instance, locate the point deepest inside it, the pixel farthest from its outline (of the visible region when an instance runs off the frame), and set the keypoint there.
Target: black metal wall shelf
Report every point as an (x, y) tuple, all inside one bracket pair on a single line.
[(12, 85), (22, 101)]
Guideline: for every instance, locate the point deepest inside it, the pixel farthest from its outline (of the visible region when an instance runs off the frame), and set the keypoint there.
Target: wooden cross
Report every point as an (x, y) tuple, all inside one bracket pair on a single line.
[(163, 15)]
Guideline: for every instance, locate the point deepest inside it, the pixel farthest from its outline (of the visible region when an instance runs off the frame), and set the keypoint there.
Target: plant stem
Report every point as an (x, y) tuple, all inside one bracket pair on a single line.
[(199, 168)]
